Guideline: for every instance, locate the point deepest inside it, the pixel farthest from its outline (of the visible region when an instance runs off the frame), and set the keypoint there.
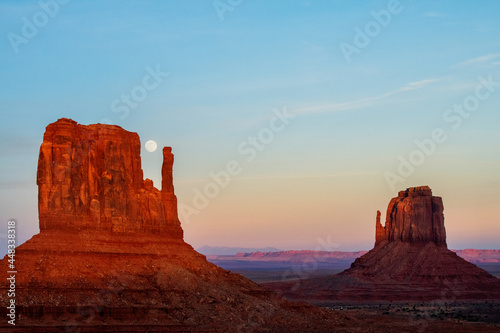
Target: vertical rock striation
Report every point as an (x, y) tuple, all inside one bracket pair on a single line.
[(91, 177), (414, 216)]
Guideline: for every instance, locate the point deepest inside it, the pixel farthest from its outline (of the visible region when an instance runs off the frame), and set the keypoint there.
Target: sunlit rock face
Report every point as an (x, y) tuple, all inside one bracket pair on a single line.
[(414, 216), (91, 177), (110, 256)]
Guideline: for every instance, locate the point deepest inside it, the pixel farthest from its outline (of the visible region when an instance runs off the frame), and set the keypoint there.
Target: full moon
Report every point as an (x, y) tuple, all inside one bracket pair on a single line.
[(151, 146)]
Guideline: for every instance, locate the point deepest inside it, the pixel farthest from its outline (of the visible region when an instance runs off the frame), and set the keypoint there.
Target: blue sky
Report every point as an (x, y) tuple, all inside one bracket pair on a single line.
[(325, 174)]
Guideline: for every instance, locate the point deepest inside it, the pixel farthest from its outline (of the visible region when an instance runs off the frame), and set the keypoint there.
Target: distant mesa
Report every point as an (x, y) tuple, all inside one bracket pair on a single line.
[(228, 251), (480, 256), (410, 261)]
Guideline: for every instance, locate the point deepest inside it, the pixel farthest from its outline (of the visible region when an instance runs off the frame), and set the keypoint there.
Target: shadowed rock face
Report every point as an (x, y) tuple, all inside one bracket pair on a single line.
[(91, 177), (414, 216), (410, 261)]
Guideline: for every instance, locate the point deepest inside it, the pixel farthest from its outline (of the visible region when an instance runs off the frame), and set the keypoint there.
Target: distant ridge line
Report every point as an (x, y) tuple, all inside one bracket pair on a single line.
[(264, 254)]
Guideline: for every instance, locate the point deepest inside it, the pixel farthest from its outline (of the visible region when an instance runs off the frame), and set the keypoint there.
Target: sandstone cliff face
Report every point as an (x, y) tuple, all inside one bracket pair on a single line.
[(91, 177), (414, 216)]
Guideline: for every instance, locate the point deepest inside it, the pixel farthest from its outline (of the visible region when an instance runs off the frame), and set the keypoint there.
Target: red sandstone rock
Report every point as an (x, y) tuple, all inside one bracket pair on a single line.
[(110, 255), (410, 261), (91, 177), (379, 230), (414, 216)]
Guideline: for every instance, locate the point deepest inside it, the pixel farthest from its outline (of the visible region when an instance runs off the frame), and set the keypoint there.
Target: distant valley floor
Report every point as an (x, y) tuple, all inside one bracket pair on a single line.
[(264, 267), (438, 316)]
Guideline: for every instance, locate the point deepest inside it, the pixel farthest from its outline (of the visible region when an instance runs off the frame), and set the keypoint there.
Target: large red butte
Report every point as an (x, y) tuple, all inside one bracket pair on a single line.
[(91, 177)]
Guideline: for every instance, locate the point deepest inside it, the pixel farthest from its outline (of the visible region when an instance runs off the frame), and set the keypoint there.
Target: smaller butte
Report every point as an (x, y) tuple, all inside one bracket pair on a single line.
[(410, 262)]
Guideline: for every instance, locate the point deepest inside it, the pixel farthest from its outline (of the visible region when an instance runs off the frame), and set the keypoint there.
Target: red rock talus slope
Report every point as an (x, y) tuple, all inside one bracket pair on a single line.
[(410, 261), (100, 282), (110, 254)]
